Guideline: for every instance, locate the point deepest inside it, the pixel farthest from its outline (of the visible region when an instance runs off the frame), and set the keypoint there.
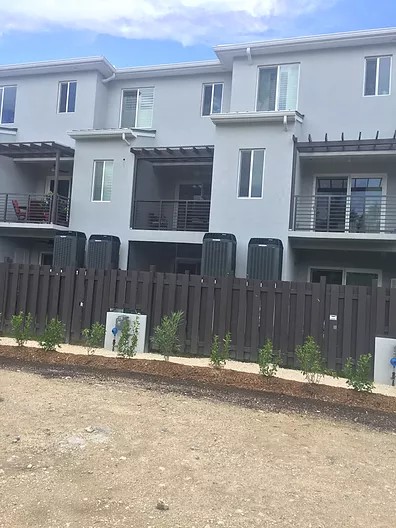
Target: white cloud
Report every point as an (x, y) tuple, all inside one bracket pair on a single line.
[(186, 21)]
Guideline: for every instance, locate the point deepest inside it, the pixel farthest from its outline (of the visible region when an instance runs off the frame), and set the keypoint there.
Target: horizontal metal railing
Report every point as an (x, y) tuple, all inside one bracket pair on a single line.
[(34, 208), (339, 213), (172, 215)]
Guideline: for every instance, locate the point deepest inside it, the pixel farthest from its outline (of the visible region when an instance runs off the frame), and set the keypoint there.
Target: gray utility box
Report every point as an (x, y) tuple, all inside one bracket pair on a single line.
[(265, 256), (103, 252), (218, 254), (69, 249)]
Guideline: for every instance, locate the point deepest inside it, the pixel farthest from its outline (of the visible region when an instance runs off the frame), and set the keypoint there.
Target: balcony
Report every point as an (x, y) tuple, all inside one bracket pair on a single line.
[(34, 209), (172, 215), (327, 213)]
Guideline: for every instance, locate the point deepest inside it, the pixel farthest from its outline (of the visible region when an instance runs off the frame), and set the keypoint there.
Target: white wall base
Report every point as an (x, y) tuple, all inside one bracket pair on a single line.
[(115, 319), (384, 351)]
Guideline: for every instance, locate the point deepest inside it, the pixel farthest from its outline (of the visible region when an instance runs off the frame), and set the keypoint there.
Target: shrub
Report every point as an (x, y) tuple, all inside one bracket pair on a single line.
[(220, 354), (94, 337), (311, 360), (268, 360), (166, 339), (21, 328), (53, 336), (129, 337), (359, 375)]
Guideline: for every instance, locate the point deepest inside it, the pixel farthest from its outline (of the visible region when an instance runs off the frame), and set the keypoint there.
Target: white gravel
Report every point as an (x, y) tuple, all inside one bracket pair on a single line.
[(239, 366)]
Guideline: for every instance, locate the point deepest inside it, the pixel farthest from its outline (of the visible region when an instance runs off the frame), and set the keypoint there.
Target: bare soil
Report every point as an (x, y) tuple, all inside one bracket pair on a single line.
[(90, 450)]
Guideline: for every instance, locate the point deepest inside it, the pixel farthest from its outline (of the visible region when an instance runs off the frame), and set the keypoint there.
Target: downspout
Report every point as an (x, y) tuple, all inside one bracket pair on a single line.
[(293, 184), (249, 55), (123, 137), (108, 79)]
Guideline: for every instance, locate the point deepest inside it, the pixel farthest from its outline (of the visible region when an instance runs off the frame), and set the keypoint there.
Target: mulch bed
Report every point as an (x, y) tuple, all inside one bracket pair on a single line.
[(207, 376)]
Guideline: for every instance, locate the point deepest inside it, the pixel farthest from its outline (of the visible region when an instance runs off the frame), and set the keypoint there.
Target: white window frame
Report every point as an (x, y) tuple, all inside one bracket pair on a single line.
[(252, 150), (67, 96), (137, 105), (378, 58), (104, 161), (277, 66), (212, 84), (345, 271), (2, 88)]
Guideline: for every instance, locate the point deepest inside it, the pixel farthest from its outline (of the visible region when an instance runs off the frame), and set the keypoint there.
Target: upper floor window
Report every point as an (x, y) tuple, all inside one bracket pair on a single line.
[(67, 96), (102, 180), (212, 100), (137, 108), (378, 75), (277, 88), (7, 104), (251, 173)]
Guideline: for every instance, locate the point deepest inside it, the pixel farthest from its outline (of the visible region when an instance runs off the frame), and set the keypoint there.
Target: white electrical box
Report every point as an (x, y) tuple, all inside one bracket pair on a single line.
[(116, 320)]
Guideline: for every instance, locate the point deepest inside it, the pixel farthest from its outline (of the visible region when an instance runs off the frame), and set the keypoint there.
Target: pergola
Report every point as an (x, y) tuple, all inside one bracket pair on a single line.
[(39, 150)]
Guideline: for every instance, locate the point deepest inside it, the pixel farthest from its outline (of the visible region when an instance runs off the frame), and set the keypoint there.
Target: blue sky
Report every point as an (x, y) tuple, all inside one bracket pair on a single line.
[(179, 30)]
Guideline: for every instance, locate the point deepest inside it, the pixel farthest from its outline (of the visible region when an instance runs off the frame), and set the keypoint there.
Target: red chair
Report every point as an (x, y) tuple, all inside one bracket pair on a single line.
[(20, 210)]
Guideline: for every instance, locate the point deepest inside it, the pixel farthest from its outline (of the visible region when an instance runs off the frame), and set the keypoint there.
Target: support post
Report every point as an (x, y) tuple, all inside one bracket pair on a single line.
[(54, 201)]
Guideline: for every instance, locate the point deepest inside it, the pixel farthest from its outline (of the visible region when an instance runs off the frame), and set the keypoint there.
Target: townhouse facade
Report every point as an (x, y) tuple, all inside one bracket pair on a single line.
[(291, 140)]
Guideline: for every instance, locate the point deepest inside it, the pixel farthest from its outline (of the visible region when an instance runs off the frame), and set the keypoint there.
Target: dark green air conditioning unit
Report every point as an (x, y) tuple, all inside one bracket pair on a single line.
[(265, 256), (69, 249), (103, 252), (218, 254)]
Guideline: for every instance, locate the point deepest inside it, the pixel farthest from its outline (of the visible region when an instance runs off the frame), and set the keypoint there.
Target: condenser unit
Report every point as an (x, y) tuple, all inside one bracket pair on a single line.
[(69, 249), (218, 254), (264, 260), (103, 252)]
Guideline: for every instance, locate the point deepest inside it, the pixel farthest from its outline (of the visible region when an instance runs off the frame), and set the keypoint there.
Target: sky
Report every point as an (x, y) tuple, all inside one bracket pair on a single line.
[(144, 32)]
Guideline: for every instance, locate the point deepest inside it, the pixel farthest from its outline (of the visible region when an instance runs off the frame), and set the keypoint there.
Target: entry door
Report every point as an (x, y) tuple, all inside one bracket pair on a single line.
[(64, 187), (331, 204)]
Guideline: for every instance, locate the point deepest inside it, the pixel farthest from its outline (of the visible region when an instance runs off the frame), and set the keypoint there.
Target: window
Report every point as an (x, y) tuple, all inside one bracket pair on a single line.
[(7, 104), (212, 100), (251, 168), (277, 88), (67, 97), (354, 277), (102, 180), (377, 76), (137, 108)]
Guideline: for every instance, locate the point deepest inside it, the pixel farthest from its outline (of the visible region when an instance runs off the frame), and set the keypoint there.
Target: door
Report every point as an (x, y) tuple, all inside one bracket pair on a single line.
[(366, 204), (64, 187), (331, 204)]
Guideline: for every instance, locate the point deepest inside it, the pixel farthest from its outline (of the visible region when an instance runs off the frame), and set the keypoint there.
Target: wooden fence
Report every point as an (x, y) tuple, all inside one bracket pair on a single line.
[(343, 319)]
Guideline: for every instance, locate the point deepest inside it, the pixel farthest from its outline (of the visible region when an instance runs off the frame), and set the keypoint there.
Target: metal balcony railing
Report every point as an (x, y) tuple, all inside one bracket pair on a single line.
[(172, 215), (354, 213), (34, 209)]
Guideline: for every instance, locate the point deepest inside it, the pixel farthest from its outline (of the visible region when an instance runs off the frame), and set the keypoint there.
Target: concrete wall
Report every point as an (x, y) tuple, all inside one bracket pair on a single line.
[(252, 217), (177, 108), (23, 250), (36, 110), (330, 91)]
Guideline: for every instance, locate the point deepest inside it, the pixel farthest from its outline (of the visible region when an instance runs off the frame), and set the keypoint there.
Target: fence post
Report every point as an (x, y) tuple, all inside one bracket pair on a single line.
[(373, 316), (322, 311), (3, 291)]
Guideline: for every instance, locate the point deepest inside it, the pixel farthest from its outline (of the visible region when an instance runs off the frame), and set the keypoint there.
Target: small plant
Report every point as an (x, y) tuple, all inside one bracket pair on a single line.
[(311, 360), (21, 328), (359, 375), (94, 337), (127, 344), (268, 360), (53, 336), (166, 339), (220, 354)]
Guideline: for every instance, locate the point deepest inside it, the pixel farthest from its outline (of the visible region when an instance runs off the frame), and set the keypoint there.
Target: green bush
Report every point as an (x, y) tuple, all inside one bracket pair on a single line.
[(268, 360), (21, 328), (311, 361), (166, 339), (53, 336), (94, 337), (359, 375), (220, 354), (127, 344)]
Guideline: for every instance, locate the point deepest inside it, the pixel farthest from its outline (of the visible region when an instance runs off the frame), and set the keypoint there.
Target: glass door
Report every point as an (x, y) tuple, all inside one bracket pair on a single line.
[(331, 204), (366, 203)]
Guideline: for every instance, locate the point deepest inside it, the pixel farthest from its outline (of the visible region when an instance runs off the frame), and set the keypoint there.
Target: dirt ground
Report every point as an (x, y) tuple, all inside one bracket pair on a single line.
[(86, 452)]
